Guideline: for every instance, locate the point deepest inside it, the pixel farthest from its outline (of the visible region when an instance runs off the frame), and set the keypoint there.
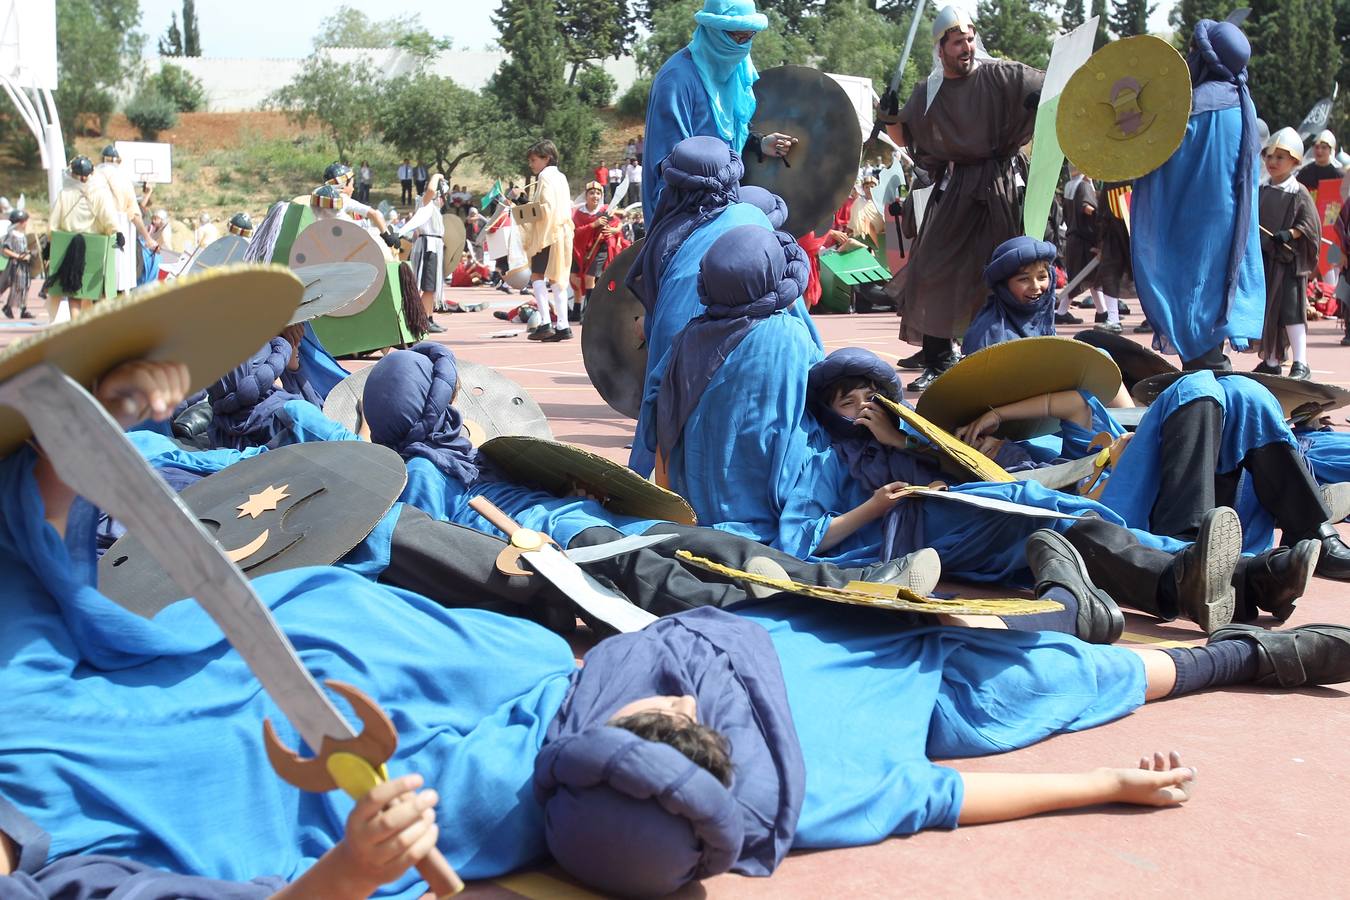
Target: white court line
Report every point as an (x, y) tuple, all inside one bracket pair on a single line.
[(539, 371)]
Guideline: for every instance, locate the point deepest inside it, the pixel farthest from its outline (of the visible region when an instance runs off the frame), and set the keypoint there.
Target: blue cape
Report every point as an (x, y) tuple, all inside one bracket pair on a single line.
[(246, 401), (133, 727), (1003, 318), (702, 177), (748, 275)]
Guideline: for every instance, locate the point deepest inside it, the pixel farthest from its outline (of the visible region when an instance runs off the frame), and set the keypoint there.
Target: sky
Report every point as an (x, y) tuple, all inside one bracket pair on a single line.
[(257, 28)]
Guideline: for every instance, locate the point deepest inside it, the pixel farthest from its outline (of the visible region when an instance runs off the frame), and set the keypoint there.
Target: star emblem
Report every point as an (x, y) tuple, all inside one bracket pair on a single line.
[(265, 500)]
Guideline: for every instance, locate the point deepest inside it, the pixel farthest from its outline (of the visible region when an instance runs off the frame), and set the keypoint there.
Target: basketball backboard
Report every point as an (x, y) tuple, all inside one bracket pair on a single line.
[(151, 163), (28, 42)]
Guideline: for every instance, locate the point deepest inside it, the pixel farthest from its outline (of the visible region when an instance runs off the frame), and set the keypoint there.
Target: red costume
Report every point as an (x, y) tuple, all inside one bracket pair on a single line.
[(586, 236)]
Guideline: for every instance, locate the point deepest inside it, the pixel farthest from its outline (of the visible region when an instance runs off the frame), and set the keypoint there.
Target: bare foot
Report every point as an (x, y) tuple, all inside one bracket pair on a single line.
[(1159, 781)]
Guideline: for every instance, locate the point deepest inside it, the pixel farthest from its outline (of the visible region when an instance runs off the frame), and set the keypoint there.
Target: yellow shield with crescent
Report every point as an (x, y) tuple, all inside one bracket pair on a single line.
[(1124, 113)]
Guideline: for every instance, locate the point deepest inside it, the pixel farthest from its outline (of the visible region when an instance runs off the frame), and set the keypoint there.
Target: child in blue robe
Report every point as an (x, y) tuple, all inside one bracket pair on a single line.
[(245, 402)]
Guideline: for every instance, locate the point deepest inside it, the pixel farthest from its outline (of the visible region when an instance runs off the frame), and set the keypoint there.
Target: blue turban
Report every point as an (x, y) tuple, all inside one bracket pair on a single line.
[(702, 176), (747, 275), (725, 67), (634, 817), (1217, 60), (1003, 317), (245, 403), (408, 404), (768, 202)]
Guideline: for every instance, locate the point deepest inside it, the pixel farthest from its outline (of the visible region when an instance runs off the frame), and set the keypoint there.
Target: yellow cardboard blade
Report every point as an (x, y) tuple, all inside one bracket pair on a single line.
[(970, 460), (882, 596)]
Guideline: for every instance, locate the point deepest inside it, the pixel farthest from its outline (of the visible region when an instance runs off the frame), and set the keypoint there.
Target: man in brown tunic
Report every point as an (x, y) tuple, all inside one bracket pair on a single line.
[(969, 136)]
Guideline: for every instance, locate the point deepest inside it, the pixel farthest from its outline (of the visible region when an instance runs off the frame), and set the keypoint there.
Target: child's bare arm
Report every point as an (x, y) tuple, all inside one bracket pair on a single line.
[(1000, 797), (1067, 406), (874, 507), (389, 831)]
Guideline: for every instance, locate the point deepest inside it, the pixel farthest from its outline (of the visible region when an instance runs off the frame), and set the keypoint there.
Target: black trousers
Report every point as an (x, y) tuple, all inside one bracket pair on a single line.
[(1134, 575), (1190, 484), (406, 194), (938, 353), (1215, 360)]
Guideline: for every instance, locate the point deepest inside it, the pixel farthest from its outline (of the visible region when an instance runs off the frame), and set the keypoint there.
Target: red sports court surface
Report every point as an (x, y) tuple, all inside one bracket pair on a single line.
[(1272, 803)]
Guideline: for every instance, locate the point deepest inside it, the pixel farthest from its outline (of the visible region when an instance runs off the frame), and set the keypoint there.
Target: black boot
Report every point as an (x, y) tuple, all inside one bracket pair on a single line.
[(1202, 574), (1286, 489), (1055, 563), (1306, 655), (1274, 580)]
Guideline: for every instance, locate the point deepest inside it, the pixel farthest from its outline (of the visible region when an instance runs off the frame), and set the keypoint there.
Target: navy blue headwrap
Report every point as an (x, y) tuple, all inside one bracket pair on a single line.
[(747, 275), (408, 404), (702, 176), (245, 403), (772, 205), (1218, 62), (1003, 317)]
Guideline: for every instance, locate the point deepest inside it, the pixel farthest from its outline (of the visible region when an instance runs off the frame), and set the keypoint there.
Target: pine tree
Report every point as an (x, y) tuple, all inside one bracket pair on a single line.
[(1282, 32), (1016, 29), (172, 42), (1186, 13), (531, 85), (192, 44), (595, 29), (1103, 37), (1130, 17), (1073, 15)]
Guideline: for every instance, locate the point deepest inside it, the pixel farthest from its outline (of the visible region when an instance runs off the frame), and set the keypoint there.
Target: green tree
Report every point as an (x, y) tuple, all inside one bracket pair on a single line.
[(1187, 12), (342, 97), (349, 27), (172, 42), (150, 112), (192, 41), (779, 45), (1073, 15), (99, 50), (1016, 29), (1282, 32), (672, 25), (594, 30), (1130, 17), (531, 85), (431, 118), (854, 39), (1103, 36), (179, 86)]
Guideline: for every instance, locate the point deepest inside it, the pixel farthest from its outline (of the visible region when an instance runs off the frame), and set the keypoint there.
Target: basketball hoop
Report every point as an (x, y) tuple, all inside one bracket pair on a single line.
[(28, 77)]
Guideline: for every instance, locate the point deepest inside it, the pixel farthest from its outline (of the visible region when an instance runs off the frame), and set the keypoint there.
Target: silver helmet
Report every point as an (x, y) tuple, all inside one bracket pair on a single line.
[(950, 17)]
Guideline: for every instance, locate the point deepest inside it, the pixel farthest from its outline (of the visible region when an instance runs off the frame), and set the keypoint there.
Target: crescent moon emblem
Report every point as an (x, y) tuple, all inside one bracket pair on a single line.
[(252, 547)]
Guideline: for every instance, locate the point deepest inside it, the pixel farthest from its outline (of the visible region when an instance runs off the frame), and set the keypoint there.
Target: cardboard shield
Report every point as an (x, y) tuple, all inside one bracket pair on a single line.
[(454, 241), (880, 596), (331, 287), (613, 345), (209, 321), (492, 404), (303, 505), (340, 241), (955, 455), (100, 265), (1017, 370), (561, 468), (1301, 401), (1125, 111), (220, 252), (1135, 361), (822, 166)]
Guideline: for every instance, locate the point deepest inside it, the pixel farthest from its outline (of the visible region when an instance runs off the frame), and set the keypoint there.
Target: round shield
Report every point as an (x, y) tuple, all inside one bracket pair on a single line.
[(1302, 401), (1136, 362), (219, 252), (613, 345), (561, 468), (340, 241), (492, 404), (822, 166), (1013, 371), (1125, 111), (303, 505), (454, 241), (331, 287)]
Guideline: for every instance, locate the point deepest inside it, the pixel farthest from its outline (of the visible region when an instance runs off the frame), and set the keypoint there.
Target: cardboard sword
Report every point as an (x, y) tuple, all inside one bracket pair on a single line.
[(93, 456)]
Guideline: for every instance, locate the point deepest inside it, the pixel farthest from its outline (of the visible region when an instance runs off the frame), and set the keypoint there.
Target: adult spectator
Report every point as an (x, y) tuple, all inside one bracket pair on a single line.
[(1323, 166), (205, 233), (405, 182), (5, 210), (968, 121), (630, 149), (161, 229), (633, 172), (615, 176), (640, 142), (420, 178), (474, 223), (602, 177), (363, 182)]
